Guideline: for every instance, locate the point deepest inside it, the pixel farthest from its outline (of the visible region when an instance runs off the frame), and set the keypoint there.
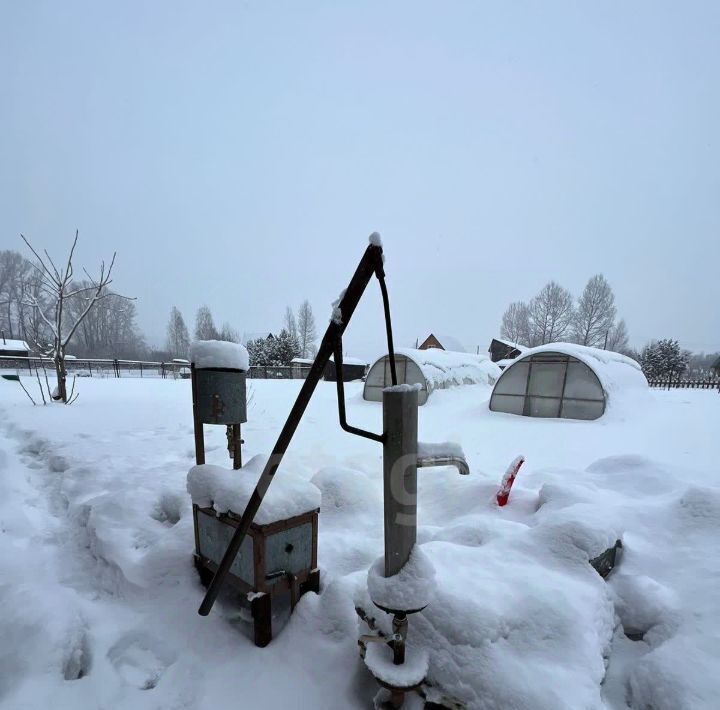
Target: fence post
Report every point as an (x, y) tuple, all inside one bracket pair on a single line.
[(141, 374)]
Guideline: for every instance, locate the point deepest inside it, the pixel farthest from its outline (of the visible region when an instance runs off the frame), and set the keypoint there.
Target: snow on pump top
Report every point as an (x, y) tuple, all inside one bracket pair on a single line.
[(206, 354)]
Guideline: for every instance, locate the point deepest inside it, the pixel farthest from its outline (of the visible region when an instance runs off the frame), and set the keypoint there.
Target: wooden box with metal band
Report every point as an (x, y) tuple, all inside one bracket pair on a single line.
[(277, 557), (279, 554)]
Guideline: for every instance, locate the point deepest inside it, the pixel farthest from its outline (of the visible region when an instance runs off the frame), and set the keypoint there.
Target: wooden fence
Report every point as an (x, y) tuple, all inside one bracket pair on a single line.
[(680, 383)]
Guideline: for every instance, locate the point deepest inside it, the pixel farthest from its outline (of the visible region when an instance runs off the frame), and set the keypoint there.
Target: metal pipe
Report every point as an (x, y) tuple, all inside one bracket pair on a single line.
[(400, 426), (368, 266), (400, 629), (197, 424), (341, 400), (445, 460), (388, 323)]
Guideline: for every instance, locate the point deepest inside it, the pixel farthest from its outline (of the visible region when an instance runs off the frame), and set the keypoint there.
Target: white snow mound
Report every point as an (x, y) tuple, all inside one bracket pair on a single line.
[(207, 354), (411, 589), (227, 490)]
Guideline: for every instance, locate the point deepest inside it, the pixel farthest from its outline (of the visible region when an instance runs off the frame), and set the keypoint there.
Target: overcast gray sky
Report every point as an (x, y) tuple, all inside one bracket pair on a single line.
[(238, 155)]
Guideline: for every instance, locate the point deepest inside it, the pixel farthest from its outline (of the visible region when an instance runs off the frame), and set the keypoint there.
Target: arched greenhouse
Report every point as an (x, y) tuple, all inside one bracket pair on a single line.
[(565, 381), (431, 369)]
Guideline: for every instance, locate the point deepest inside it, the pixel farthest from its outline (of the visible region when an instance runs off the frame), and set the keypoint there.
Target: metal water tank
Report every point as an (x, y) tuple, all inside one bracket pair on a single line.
[(220, 396)]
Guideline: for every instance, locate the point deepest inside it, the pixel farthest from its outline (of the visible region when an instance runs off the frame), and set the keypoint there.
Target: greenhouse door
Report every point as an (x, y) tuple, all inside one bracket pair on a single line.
[(400, 369)]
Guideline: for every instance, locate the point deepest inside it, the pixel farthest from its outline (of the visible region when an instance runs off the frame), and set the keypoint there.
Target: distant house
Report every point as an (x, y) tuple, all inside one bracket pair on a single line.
[(300, 367), (442, 342), (13, 348), (503, 351), (352, 369)]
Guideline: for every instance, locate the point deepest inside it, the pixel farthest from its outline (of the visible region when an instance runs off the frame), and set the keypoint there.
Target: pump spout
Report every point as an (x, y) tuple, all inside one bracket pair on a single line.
[(444, 454)]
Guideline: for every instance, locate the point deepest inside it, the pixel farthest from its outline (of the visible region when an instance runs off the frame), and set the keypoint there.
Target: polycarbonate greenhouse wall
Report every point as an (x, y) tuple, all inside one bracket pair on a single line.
[(431, 369), (378, 378), (549, 384)]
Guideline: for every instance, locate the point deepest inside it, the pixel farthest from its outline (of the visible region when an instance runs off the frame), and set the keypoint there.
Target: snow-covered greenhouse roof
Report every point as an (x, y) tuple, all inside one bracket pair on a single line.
[(565, 380), (431, 369)]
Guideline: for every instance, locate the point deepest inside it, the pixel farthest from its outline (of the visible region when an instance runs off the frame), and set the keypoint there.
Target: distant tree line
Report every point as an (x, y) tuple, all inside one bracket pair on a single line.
[(554, 315), (109, 329), (295, 339), (27, 312)]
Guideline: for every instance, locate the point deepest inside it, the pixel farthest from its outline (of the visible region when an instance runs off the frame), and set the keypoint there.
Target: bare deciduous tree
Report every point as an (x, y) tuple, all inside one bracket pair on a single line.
[(178, 338), (109, 330), (205, 325), (56, 284), (228, 333), (516, 323), (13, 269), (595, 313), (551, 314), (289, 323), (617, 338), (306, 333)]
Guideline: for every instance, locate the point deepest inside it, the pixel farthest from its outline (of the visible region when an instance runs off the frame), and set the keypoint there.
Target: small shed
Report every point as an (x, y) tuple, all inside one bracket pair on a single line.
[(300, 367), (566, 381), (431, 369), (442, 342), (352, 369), (502, 350), (13, 348)]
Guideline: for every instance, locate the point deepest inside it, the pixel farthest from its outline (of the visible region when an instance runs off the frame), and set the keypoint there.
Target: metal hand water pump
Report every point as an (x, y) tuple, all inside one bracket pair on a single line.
[(401, 458)]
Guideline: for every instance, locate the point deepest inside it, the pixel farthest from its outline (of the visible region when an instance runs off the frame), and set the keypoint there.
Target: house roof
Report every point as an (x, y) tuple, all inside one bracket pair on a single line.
[(448, 342), (510, 344)]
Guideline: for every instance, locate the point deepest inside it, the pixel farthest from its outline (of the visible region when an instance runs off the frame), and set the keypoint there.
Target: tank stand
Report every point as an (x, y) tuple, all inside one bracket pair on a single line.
[(261, 610), (261, 605), (261, 602)]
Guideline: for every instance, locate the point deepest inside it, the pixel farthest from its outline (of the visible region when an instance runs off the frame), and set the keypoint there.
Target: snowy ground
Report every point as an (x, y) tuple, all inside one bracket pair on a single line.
[(99, 595)]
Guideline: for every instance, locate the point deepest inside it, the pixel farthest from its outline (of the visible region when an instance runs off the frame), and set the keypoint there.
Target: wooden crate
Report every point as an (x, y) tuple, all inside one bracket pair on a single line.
[(279, 556)]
